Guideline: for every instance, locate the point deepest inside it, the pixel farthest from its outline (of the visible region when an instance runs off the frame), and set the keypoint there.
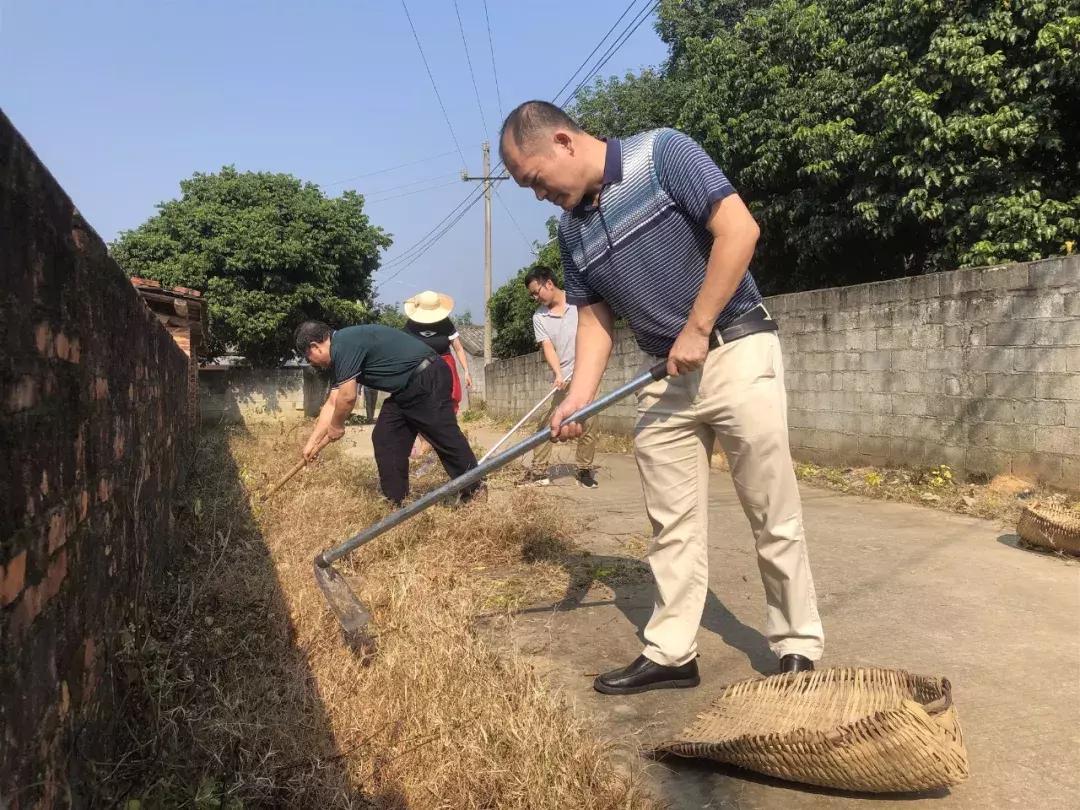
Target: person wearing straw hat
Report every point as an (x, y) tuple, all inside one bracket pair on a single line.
[(653, 230), (418, 382), (428, 316)]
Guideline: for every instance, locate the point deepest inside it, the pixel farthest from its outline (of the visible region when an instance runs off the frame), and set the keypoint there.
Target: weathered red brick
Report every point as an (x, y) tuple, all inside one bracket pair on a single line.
[(12, 578), (57, 530), (81, 239), (43, 338), (104, 491), (84, 504), (62, 346), (55, 576), (28, 607), (23, 395)]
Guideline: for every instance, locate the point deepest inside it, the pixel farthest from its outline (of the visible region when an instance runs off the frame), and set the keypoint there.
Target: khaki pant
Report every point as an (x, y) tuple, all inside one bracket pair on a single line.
[(738, 397), (586, 443)]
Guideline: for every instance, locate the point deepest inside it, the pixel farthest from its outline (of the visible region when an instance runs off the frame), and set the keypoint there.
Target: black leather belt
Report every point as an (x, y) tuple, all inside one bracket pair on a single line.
[(420, 367), (749, 323)]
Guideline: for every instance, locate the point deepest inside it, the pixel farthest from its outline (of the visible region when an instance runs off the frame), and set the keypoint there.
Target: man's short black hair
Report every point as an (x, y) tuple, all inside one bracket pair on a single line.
[(531, 119), (541, 275), (310, 332)]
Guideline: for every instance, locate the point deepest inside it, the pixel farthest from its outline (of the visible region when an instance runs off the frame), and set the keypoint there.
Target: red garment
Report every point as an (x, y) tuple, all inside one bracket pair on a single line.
[(455, 388)]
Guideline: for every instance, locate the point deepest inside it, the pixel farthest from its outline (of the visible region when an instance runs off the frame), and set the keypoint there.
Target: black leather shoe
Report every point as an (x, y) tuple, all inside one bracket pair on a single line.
[(643, 675), (796, 663)]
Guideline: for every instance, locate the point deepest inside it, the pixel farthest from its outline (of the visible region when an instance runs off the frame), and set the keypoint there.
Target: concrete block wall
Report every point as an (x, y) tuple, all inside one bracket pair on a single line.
[(242, 395), (94, 426), (977, 368)]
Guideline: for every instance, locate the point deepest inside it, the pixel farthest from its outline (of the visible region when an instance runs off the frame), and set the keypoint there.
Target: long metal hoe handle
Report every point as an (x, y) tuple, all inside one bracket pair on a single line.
[(657, 372)]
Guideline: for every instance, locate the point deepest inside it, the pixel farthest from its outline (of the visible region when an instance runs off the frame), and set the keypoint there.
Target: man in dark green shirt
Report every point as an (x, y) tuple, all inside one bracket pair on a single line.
[(418, 382)]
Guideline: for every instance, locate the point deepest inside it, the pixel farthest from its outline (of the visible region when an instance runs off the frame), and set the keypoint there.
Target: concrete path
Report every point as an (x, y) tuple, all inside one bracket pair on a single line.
[(899, 586)]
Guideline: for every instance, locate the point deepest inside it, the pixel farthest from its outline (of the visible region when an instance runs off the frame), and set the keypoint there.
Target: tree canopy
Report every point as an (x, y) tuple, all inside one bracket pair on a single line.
[(268, 250)]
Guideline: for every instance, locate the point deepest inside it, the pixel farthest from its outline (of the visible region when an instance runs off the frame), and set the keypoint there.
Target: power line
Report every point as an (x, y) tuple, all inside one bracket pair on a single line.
[(468, 60), (411, 193), (599, 44), (494, 72), (513, 219), (628, 32), (434, 87), (469, 199), (391, 189), (389, 169)]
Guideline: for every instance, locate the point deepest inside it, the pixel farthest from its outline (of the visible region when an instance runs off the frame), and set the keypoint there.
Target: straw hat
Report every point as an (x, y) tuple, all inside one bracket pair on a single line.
[(428, 307)]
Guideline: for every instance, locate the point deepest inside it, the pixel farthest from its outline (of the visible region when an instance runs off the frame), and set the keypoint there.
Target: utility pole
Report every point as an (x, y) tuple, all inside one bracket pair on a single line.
[(487, 180)]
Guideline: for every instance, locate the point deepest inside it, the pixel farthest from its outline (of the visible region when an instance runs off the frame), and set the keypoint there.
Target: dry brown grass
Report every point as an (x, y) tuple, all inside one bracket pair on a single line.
[(241, 692)]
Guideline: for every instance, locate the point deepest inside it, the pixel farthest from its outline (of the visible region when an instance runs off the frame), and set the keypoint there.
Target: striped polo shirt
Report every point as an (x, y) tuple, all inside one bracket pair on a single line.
[(645, 246)]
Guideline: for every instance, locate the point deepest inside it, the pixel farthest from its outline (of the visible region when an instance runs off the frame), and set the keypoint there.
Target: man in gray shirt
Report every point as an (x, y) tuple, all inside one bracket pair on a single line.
[(555, 328)]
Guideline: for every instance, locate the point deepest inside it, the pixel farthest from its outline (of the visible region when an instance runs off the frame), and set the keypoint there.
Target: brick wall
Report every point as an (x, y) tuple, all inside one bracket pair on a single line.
[(93, 423), (979, 369)]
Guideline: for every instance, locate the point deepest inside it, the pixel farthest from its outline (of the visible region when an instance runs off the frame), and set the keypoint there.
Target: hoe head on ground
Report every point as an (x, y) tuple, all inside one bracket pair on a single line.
[(350, 612)]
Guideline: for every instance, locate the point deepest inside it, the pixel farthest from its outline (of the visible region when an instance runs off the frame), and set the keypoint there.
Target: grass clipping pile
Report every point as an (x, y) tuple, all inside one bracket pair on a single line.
[(249, 697)]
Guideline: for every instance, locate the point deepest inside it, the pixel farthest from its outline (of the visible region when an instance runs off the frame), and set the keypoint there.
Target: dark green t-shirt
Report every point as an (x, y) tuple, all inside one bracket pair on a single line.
[(378, 356)]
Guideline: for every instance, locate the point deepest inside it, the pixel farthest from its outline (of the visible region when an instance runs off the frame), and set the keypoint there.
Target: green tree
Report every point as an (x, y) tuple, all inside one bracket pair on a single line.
[(267, 249), (511, 309)]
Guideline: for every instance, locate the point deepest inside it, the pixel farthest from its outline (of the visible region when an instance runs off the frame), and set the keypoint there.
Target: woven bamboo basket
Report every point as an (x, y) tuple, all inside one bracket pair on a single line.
[(1050, 527), (872, 730)]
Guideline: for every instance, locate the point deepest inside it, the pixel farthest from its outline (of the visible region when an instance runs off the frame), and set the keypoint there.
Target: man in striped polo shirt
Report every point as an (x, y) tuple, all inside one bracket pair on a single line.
[(653, 231)]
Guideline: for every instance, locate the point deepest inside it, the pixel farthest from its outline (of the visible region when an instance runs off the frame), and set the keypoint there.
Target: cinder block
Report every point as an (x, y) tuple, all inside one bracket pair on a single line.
[(1003, 437), (1044, 304), (855, 381), (927, 336), (1063, 440), (1039, 412), (878, 360), (875, 403), (1059, 271), (982, 309), (956, 282), (1057, 386), (1010, 333), (1048, 359), (991, 410), (949, 408), (882, 292), (1072, 414), (1013, 386), (987, 460), (1009, 277), (909, 404), (943, 359), (1058, 333), (990, 358)]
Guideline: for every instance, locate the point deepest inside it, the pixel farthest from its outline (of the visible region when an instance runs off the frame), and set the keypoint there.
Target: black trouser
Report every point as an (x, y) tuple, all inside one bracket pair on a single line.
[(422, 406)]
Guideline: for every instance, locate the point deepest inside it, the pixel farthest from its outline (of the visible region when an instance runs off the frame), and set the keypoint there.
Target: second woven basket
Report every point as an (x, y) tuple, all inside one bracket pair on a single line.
[(873, 730)]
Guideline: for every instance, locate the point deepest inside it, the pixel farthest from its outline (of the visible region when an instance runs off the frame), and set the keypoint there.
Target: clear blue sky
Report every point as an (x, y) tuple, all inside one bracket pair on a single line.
[(122, 99)]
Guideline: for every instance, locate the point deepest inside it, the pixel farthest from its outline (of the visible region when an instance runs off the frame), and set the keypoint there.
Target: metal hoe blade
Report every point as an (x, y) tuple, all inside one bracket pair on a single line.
[(347, 607)]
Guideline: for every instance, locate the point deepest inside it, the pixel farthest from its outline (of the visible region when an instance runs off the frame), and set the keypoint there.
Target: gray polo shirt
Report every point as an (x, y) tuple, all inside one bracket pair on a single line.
[(561, 330)]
